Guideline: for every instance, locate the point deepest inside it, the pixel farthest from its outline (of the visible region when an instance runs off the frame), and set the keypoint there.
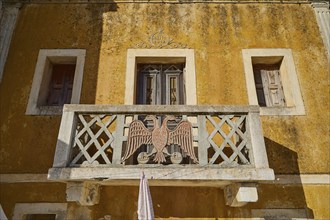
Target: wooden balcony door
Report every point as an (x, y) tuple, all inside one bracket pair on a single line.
[(160, 84)]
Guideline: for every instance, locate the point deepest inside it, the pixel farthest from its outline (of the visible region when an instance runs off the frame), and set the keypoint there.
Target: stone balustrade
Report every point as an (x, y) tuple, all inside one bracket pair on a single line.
[(227, 142)]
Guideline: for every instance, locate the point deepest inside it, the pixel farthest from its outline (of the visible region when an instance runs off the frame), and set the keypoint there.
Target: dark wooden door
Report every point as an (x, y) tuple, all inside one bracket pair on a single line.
[(160, 84)]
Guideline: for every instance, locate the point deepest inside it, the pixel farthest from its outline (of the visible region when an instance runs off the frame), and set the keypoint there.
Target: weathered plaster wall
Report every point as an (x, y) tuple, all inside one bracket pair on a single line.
[(28, 142), (318, 198), (206, 203), (217, 33), (10, 194)]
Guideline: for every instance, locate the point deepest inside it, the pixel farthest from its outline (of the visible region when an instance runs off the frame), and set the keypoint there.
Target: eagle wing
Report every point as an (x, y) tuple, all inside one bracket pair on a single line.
[(138, 134), (182, 136)]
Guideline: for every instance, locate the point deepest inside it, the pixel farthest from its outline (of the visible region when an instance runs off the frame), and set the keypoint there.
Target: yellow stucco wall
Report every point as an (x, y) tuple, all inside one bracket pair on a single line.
[(176, 202), (217, 33), (13, 193)]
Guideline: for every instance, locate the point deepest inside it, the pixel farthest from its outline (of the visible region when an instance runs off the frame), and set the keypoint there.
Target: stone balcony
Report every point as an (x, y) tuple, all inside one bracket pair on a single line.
[(95, 147)]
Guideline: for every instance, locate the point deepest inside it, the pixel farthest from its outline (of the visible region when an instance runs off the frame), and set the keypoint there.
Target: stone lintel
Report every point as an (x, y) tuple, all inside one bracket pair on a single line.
[(239, 194), (84, 193)]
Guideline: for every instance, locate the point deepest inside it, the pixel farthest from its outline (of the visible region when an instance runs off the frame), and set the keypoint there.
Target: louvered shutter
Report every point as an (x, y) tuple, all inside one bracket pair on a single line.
[(147, 84), (172, 90), (272, 87)]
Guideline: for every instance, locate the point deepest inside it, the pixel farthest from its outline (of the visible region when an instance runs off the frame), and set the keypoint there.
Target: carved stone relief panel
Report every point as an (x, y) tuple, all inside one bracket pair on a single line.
[(160, 40)]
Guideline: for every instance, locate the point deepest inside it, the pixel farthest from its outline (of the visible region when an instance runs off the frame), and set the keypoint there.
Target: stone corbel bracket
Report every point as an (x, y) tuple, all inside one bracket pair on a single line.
[(239, 194)]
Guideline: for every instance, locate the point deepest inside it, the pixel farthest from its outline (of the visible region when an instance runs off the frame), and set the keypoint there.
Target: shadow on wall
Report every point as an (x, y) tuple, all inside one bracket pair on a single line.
[(277, 200), (102, 70), (281, 159), (95, 38), (284, 198)]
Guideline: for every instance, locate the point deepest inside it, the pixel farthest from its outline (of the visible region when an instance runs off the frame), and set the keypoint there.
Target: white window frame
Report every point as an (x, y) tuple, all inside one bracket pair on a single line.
[(135, 56), (22, 210), (42, 75), (291, 89)]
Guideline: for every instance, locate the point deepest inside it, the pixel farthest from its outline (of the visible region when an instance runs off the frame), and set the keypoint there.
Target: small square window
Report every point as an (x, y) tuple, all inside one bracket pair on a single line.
[(272, 81), (57, 81)]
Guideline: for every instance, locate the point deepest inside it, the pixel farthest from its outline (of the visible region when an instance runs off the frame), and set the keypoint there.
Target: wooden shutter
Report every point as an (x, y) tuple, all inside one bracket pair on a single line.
[(150, 85), (61, 85), (173, 88), (160, 84), (147, 84), (259, 88), (272, 87)]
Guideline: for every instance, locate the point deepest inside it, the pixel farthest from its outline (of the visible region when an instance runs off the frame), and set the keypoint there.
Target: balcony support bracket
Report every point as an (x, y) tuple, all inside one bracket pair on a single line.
[(84, 193), (239, 194)]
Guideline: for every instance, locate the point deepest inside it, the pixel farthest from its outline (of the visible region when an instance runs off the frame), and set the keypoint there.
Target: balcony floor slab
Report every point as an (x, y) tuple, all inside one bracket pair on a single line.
[(162, 176)]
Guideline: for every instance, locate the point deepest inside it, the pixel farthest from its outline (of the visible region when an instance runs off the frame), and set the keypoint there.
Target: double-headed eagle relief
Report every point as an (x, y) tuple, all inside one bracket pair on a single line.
[(160, 137)]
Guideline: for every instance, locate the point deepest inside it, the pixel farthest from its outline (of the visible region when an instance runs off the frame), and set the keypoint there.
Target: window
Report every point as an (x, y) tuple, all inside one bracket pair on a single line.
[(173, 69), (160, 84), (38, 211), (57, 81), (272, 81)]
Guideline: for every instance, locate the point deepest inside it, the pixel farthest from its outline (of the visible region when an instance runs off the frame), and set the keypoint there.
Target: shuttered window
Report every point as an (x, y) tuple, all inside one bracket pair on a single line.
[(160, 84), (268, 85), (61, 84)]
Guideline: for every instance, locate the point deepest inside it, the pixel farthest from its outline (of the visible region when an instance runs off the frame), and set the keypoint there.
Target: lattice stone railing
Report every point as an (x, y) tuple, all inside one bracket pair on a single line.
[(224, 138), (95, 135)]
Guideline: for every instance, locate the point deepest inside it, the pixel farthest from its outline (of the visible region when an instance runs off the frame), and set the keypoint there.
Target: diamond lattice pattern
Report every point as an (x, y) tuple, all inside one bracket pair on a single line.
[(228, 140), (93, 140)]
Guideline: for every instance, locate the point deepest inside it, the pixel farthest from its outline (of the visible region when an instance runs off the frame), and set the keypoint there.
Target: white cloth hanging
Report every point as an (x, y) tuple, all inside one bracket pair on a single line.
[(145, 208), (2, 214)]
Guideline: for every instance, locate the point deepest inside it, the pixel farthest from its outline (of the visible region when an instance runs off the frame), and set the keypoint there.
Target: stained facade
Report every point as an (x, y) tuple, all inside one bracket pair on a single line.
[(249, 80)]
